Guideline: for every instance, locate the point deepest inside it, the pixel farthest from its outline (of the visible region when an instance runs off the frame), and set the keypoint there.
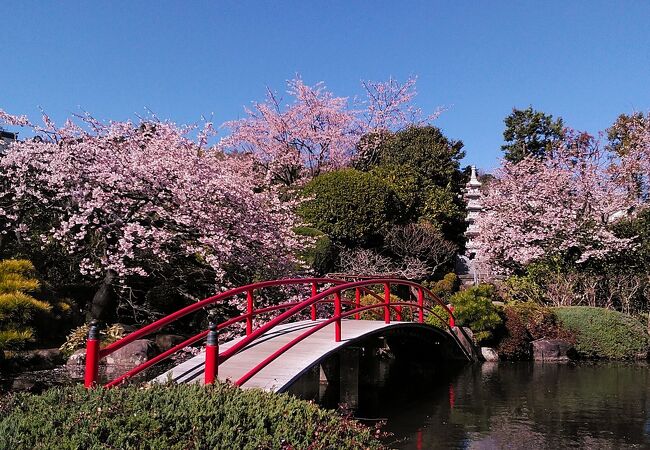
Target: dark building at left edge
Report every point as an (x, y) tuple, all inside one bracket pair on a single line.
[(6, 138)]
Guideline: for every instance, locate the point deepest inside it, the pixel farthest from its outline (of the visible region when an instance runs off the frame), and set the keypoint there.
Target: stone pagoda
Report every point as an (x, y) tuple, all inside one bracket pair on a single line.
[(473, 198)]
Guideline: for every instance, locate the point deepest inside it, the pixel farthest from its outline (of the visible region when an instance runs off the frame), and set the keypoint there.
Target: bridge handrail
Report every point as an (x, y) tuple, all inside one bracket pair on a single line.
[(266, 361), (306, 303), (160, 323), (294, 308), (197, 337)]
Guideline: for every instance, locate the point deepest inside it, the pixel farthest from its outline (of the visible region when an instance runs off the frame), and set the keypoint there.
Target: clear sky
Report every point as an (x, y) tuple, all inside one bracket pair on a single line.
[(586, 61)]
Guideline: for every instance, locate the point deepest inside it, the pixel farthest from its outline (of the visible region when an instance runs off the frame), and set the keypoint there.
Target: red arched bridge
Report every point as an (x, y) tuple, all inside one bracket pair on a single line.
[(276, 353)]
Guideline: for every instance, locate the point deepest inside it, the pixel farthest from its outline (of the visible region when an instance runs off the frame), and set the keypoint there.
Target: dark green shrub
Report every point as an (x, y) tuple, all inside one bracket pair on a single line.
[(406, 184), (524, 323), (473, 308), (603, 333), (322, 255), (522, 289), (440, 319), (174, 417), (446, 287), (350, 206)]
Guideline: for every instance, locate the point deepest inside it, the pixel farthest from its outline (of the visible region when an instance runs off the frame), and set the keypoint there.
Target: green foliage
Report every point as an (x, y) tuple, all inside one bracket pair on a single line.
[(446, 287), (530, 132), (77, 338), (637, 227), (18, 309), (406, 183), (322, 255), (433, 157), (174, 417), (351, 207), (378, 313), (439, 318), (473, 308), (602, 333), (441, 208), (522, 289), (524, 323), (621, 134), (423, 168)]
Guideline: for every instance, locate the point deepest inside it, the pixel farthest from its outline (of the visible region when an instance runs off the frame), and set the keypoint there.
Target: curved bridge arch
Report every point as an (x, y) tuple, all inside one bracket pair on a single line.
[(215, 359), (284, 368)]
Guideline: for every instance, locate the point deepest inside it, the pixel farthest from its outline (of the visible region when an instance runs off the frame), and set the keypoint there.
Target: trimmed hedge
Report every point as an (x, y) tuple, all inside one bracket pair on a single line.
[(174, 417), (603, 333)]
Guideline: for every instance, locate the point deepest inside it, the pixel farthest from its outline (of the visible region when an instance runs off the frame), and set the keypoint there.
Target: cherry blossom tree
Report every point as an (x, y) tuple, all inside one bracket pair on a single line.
[(129, 200), (562, 203), (315, 133), (318, 131)]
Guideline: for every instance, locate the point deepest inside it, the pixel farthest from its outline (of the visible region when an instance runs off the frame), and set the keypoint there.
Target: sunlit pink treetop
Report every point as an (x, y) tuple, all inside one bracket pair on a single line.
[(565, 202), (318, 132), (128, 197)]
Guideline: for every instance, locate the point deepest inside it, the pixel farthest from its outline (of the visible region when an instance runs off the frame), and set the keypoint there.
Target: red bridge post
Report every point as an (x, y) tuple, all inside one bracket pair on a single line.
[(314, 291), (337, 313), (452, 322), (387, 302), (421, 305), (92, 355), (357, 302), (211, 353), (249, 311)]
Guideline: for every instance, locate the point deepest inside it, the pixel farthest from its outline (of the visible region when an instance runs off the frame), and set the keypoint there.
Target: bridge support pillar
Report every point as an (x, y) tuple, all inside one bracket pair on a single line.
[(349, 377)]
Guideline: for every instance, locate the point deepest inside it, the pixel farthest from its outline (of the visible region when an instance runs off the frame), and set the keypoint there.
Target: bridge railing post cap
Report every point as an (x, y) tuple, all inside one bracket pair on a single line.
[(93, 329)]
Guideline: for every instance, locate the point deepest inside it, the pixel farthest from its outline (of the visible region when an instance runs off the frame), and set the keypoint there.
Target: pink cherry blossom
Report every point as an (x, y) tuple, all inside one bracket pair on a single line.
[(128, 197)]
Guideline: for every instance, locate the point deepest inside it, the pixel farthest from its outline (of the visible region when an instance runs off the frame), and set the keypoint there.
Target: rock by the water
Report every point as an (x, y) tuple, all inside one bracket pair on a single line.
[(489, 354), (551, 350), (166, 341), (27, 384), (39, 359), (78, 358), (132, 355)]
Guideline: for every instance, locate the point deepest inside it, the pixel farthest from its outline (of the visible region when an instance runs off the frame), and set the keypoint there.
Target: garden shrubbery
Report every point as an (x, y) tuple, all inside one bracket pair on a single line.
[(23, 317), (350, 206), (473, 308), (378, 313), (603, 333), (524, 323), (174, 417)]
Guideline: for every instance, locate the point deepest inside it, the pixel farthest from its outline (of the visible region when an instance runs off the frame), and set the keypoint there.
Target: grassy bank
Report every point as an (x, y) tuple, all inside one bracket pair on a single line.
[(603, 333), (174, 417)]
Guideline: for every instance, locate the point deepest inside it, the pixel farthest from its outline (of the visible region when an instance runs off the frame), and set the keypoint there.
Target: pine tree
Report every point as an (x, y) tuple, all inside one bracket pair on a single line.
[(17, 307)]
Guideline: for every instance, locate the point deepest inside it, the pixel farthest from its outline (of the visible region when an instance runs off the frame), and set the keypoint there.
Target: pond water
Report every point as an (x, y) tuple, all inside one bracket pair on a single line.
[(513, 405)]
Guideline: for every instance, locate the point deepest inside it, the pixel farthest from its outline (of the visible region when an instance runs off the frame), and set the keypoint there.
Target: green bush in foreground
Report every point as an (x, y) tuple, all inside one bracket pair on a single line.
[(174, 417), (603, 333)]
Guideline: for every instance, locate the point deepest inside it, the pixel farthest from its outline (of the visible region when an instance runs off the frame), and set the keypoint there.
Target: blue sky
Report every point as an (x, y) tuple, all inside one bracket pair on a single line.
[(586, 61)]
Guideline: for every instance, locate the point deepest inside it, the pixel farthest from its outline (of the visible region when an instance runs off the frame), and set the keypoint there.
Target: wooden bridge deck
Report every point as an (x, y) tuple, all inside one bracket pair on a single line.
[(287, 367)]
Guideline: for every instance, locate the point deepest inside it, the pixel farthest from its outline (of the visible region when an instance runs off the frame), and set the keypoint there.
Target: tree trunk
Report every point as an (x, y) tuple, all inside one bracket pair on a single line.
[(101, 307)]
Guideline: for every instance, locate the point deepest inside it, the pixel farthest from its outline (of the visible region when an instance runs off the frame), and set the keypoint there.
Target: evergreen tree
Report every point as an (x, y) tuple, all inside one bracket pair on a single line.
[(17, 307), (530, 132)]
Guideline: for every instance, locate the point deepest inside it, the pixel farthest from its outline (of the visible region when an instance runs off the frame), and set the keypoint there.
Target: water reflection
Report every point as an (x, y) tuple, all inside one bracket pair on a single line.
[(515, 405)]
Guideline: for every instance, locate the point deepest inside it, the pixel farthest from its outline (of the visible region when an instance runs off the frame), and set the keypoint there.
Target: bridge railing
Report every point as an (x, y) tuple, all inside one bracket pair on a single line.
[(292, 309)]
